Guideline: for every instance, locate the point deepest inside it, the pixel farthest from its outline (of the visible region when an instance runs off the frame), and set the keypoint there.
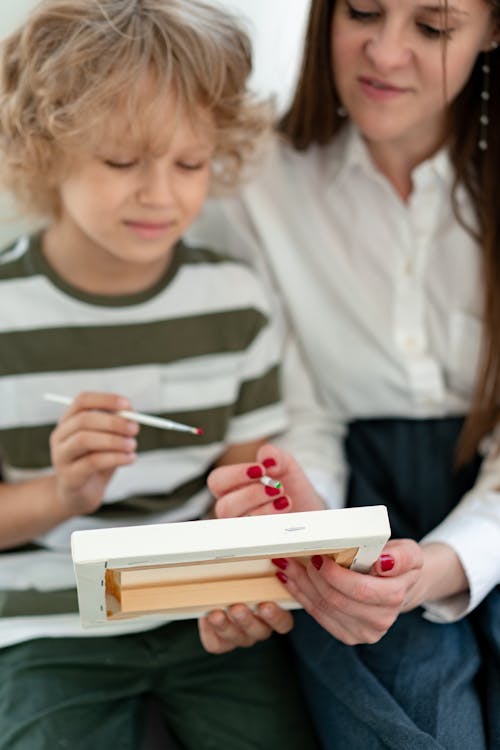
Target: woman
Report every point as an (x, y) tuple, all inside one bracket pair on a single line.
[(376, 216)]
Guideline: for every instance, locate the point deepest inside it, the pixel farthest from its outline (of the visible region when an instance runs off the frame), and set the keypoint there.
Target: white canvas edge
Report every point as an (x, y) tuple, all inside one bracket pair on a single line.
[(366, 528)]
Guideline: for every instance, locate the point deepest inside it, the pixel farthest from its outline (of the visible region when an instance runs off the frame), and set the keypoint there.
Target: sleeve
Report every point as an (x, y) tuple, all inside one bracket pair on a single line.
[(472, 529), (311, 436)]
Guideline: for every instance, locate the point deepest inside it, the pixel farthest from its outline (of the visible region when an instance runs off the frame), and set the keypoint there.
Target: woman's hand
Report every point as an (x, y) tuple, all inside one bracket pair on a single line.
[(87, 446), (356, 607), (359, 608), (238, 492)]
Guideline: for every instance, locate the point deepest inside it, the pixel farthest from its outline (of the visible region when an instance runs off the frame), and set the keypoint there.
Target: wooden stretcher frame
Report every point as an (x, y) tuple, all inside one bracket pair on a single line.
[(185, 569)]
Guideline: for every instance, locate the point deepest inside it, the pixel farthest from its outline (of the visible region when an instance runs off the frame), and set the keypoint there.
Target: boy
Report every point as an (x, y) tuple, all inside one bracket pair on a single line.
[(115, 120)]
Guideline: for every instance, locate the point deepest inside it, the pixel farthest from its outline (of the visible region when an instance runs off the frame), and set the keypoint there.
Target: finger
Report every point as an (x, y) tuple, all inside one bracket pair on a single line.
[(250, 499), (94, 420), (279, 464), (87, 400), (399, 556), (274, 461), (249, 623), (281, 504), (332, 586), (347, 619), (210, 638), (279, 619), (221, 633), (234, 506), (79, 471), (356, 589), (83, 443), (226, 479)]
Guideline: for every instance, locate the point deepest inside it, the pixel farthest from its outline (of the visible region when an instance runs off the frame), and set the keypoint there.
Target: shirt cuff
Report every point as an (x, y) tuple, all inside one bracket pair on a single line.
[(472, 531), (331, 488)]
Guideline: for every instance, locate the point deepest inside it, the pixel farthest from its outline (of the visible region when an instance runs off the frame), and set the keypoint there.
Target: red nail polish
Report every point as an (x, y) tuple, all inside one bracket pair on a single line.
[(254, 472), (268, 462), (281, 576), (386, 562), (281, 502), (317, 561), (280, 562), (272, 491)]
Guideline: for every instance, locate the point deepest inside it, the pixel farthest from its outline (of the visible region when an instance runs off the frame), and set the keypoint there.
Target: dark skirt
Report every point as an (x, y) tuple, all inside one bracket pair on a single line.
[(423, 686)]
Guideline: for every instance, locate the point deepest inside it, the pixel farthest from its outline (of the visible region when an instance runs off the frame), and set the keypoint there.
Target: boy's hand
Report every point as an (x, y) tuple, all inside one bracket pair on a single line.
[(238, 626), (86, 447), (238, 492)]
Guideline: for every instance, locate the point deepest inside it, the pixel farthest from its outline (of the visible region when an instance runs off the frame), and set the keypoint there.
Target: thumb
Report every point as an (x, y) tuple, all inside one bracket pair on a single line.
[(272, 458)]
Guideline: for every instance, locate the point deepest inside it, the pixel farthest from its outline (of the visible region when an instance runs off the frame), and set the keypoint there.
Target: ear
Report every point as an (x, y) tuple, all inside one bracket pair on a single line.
[(490, 46), (493, 39)]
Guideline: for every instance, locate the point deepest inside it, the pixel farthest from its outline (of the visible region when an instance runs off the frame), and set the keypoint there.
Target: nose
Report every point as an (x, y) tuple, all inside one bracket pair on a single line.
[(156, 188), (387, 48)]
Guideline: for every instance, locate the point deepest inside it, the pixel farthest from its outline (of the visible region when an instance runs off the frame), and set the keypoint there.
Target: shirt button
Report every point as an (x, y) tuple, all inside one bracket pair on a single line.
[(409, 268), (410, 343)]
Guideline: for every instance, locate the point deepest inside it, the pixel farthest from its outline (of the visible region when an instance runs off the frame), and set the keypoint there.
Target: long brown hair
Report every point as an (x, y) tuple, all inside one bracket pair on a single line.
[(313, 118)]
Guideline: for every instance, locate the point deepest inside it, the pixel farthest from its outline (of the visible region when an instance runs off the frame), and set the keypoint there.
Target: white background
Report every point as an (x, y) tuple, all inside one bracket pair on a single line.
[(275, 26)]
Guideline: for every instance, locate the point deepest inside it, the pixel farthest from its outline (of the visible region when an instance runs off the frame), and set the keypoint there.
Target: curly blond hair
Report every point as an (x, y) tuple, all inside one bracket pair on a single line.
[(65, 72)]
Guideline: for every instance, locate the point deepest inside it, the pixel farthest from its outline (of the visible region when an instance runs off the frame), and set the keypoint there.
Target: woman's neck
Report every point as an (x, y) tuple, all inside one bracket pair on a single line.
[(397, 162)]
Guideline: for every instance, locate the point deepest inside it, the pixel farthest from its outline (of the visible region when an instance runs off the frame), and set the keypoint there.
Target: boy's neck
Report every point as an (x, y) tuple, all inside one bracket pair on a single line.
[(94, 271)]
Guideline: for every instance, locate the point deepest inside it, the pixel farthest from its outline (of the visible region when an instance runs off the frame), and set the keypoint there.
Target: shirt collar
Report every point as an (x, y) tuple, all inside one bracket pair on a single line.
[(350, 152)]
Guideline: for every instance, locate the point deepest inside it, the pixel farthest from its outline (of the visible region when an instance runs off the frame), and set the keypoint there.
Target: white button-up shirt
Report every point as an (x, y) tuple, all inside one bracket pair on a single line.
[(385, 299)]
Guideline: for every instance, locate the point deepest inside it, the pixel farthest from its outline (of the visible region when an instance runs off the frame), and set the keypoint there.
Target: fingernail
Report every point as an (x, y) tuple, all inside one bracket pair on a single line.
[(281, 576), (254, 472), (217, 618), (272, 491), (268, 462), (386, 562), (280, 562), (317, 561), (281, 502)]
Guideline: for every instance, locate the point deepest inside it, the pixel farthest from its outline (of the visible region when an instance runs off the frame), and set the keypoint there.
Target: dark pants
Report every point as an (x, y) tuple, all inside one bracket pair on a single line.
[(88, 693), (424, 686)]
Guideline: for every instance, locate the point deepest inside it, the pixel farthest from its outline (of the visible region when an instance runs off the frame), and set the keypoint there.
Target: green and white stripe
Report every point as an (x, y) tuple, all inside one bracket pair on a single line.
[(198, 348)]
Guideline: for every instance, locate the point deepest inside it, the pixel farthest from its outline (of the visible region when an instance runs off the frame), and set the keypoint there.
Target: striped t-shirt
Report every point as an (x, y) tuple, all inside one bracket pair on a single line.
[(198, 348)]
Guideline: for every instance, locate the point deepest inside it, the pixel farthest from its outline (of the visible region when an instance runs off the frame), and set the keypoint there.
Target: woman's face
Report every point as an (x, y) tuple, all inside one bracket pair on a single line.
[(390, 58)]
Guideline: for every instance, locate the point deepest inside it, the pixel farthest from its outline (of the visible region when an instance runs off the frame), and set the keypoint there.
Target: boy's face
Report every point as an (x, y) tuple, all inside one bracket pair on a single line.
[(122, 212)]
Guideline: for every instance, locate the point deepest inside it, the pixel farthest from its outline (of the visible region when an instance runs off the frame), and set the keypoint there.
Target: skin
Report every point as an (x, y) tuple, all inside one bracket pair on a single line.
[(387, 60), (121, 214), (123, 211)]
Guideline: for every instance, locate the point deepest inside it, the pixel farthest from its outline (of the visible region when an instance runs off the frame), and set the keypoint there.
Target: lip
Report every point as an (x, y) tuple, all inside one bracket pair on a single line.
[(380, 90), (149, 229)]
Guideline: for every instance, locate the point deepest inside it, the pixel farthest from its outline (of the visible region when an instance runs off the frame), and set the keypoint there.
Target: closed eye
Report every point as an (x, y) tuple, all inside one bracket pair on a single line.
[(119, 164), (361, 15), (433, 33), (191, 166)]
